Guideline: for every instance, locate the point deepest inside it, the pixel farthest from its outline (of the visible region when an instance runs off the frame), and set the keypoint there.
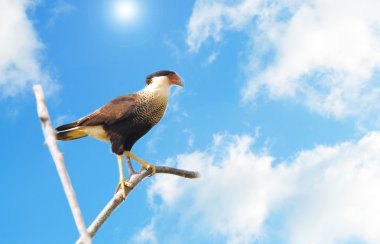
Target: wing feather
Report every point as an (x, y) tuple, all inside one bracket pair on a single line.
[(116, 110)]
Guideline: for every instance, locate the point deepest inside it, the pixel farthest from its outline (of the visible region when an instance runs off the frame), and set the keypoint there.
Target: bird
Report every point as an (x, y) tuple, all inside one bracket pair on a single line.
[(125, 119)]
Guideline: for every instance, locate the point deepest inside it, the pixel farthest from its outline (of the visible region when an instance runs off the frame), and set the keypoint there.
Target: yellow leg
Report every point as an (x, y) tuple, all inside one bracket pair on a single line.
[(142, 162), (123, 182)]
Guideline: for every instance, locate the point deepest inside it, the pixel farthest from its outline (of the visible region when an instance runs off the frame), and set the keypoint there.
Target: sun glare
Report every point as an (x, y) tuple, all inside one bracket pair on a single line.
[(125, 10)]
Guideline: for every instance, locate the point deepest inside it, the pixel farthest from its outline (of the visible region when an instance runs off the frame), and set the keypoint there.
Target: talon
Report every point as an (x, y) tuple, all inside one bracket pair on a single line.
[(122, 184), (151, 166), (142, 162)]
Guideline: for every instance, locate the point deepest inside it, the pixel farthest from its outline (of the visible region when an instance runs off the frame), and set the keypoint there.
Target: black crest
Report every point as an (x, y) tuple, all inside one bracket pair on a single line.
[(158, 74)]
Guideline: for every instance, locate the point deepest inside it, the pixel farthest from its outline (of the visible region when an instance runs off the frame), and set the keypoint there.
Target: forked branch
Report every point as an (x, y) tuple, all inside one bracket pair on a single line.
[(135, 179)]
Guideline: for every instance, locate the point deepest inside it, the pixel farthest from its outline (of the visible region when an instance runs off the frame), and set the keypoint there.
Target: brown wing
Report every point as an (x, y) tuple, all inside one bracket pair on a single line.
[(116, 110)]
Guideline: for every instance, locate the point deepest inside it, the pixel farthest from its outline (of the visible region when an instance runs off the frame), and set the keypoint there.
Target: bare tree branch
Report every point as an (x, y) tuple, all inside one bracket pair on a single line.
[(129, 166), (51, 143), (135, 179)]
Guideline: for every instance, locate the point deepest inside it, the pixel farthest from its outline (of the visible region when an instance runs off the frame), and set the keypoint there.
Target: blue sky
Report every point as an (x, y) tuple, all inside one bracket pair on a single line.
[(279, 114)]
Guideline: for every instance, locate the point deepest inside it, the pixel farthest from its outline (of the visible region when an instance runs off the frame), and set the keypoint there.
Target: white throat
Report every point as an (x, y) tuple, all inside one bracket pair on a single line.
[(159, 86)]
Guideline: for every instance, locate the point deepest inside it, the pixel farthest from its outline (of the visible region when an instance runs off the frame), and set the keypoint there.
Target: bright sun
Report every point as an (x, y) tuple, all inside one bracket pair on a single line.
[(125, 10)]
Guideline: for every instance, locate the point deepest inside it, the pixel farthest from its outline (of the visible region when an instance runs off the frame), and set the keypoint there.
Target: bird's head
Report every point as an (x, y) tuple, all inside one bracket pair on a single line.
[(163, 78)]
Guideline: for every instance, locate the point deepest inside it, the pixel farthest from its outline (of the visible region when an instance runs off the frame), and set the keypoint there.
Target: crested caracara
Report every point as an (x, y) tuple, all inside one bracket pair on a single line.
[(125, 119)]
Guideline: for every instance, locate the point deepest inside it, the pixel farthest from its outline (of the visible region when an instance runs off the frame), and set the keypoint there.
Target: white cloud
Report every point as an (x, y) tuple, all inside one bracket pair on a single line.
[(328, 194), (325, 54), (210, 18), (336, 197), (20, 51), (146, 235)]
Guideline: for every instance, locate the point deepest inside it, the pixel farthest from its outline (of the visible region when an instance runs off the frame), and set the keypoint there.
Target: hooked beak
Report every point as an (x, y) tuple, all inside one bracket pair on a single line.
[(176, 80)]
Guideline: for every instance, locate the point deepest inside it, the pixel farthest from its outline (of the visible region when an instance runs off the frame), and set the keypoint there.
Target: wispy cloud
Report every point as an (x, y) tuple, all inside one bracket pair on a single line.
[(175, 50), (323, 195), (60, 8), (146, 235), (190, 138), (175, 107), (212, 58), (155, 138), (323, 54), (20, 51)]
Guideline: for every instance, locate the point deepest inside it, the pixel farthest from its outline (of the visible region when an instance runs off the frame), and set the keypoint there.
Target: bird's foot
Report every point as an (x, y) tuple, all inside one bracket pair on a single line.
[(144, 164), (123, 184), (149, 166)]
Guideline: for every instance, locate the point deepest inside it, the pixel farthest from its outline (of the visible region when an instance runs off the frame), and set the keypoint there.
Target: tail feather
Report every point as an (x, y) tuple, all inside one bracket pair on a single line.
[(66, 126), (69, 132)]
